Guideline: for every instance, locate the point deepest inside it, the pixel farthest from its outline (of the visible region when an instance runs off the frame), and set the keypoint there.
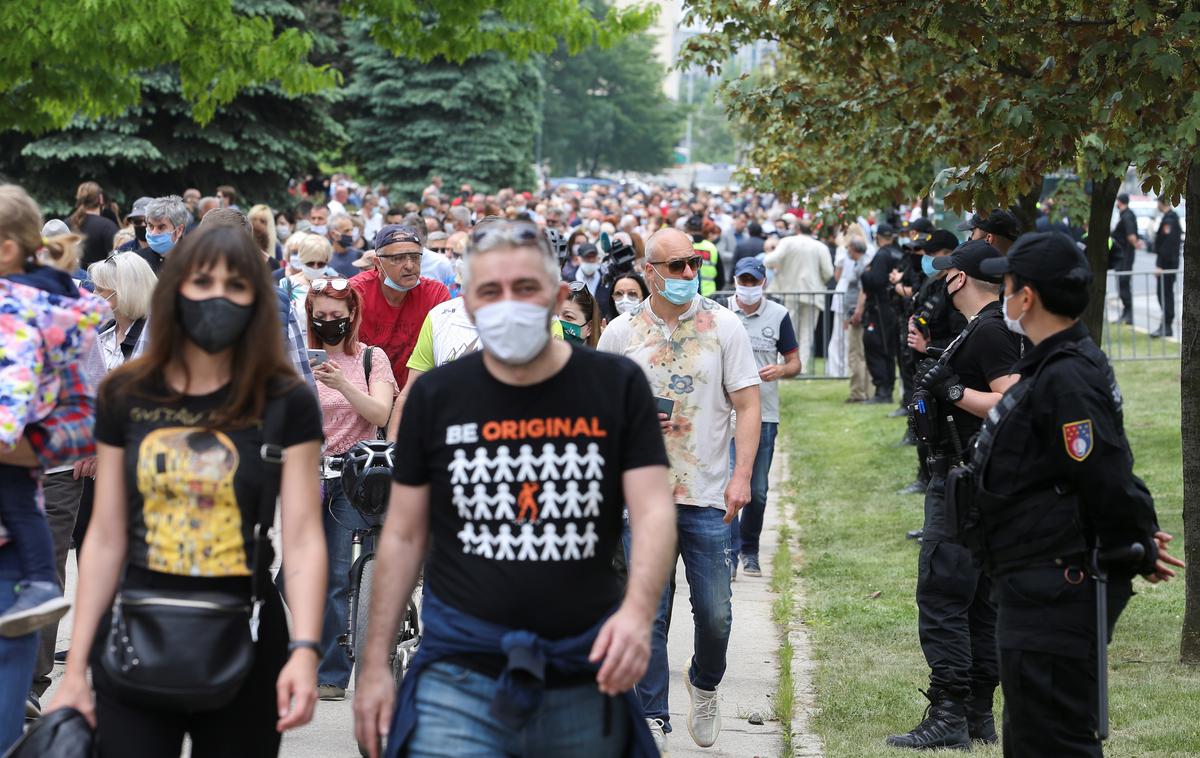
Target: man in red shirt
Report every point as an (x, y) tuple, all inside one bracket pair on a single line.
[(395, 297)]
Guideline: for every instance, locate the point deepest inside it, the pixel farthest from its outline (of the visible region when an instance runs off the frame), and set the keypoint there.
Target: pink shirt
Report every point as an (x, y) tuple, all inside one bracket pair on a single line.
[(344, 427)]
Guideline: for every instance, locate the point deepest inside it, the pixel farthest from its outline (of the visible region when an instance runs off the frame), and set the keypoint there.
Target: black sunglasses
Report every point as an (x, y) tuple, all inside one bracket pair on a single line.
[(677, 265)]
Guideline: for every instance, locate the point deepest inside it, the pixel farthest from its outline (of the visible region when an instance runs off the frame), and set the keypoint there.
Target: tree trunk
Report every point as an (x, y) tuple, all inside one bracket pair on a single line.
[(1104, 194), (1189, 648), (1026, 209)]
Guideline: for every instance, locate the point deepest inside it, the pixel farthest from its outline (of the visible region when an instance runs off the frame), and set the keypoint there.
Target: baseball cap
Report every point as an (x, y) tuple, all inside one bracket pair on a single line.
[(968, 258), (1041, 258), (139, 207), (922, 225), (588, 248), (885, 229), (940, 239), (396, 233), (752, 266), (1001, 222), (971, 223)]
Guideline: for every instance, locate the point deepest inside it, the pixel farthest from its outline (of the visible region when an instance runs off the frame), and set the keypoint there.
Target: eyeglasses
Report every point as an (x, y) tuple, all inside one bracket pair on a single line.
[(677, 265), (398, 257), (337, 285)]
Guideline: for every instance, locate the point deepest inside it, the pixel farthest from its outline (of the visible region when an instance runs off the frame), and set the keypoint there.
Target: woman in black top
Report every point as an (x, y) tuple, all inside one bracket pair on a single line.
[(97, 229), (178, 482)]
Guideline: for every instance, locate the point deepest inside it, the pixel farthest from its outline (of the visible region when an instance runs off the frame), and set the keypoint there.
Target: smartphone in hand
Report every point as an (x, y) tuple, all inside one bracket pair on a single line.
[(665, 405), (317, 357)]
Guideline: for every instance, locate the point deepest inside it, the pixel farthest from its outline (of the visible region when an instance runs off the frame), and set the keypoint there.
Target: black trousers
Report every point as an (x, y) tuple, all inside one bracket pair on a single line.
[(1166, 299), (62, 492), (881, 364), (1046, 631), (246, 726), (1124, 261), (956, 617)]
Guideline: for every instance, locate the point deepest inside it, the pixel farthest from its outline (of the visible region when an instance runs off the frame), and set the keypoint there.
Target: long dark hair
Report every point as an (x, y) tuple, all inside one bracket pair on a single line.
[(581, 297), (259, 362)]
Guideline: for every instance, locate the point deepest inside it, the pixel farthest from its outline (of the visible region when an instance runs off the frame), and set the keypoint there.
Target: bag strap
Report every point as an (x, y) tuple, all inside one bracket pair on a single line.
[(272, 455), (367, 366)]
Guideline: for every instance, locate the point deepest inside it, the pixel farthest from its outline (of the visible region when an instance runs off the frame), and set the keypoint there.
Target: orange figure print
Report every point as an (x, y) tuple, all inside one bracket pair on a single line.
[(527, 502)]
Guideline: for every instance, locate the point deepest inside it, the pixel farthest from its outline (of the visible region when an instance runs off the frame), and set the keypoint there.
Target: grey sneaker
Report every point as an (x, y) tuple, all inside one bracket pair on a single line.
[(38, 604), (660, 737), (704, 714), (750, 565), (329, 692)]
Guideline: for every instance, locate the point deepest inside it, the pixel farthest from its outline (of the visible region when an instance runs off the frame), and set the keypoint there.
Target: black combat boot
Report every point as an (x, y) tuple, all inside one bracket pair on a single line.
[(981, 726), (944, 726)]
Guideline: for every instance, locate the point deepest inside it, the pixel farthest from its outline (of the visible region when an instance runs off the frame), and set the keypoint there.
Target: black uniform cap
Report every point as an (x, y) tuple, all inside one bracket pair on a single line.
[(1042, 258), (1001, 222), (922, 225), (939, 240), (968, 258)]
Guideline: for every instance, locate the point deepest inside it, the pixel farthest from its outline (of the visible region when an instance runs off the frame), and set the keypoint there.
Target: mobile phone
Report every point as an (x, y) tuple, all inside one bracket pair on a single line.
[(317, 357), (665, 405)]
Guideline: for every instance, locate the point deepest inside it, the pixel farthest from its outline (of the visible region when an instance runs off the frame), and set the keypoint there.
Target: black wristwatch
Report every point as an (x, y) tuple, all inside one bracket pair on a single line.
[(295, 645), (954, 393)]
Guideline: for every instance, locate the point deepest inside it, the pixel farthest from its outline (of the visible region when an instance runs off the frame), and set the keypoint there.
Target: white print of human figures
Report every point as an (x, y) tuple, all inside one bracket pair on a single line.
[(478, 468), (523, 546)]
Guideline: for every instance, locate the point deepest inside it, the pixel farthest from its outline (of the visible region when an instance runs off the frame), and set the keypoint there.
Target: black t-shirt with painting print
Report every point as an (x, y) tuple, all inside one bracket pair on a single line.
[(525, 486), (193, 491)]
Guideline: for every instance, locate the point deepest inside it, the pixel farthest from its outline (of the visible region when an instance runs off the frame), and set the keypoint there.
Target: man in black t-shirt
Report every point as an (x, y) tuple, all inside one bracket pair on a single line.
[(956, 616), (512, 469)]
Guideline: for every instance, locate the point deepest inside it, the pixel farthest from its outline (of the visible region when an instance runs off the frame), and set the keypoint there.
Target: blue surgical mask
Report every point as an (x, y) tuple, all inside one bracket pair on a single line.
[(679, 291), (318, 228), (161, 243), (387, 280), (927, 265)]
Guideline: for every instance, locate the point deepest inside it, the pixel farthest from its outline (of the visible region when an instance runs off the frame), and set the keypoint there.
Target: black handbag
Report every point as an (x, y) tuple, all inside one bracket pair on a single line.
[(62, 734), (191, 651)]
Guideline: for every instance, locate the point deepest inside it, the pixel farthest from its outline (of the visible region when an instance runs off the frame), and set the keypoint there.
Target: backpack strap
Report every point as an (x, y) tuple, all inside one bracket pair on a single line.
[(272, 455)]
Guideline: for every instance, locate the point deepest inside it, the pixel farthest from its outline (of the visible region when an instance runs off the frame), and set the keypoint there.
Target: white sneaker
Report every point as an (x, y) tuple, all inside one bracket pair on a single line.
[(704, 714), (660, 737)]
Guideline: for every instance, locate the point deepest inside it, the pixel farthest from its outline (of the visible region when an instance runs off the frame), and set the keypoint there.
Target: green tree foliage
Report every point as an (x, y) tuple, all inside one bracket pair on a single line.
[(66, 58), (475, 122), (255, 142), (713, 135)]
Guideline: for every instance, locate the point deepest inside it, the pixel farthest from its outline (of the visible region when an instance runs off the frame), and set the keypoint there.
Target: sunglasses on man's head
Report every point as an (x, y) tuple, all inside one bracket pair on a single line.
[(677, 265), (337, 285)]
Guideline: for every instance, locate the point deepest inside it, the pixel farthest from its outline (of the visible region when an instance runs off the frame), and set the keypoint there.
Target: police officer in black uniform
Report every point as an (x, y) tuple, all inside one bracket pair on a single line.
[(879, 317), (1051, 478), (956, 616)]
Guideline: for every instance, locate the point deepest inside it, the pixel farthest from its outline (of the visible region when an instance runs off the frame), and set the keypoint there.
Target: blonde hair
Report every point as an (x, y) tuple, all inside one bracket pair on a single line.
[(314, 248), (123, 235), (21, 222), (265, 213), (292, 244), (128, 275)]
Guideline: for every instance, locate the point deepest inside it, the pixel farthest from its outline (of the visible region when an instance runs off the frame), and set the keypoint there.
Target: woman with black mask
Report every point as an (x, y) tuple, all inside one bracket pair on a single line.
[(191, 440), (354, 407)]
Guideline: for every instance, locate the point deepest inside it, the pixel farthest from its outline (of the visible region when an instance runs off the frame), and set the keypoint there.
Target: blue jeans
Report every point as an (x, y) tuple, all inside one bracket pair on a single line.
[(17, 656), (747, 525), (340, 522), (453, 719), (704, 546)]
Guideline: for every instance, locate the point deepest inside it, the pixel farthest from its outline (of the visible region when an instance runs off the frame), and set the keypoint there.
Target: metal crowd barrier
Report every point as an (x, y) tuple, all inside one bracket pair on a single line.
[(1148, 294), (816, 313)]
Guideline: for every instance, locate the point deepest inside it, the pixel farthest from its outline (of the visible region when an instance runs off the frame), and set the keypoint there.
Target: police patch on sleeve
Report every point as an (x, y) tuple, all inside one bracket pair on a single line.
[(1077, 437)]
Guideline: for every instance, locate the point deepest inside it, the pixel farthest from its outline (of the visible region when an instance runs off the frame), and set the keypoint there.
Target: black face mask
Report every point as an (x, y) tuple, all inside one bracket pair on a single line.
[(332, 332), (214, 324), (139, 232), (346, 241)]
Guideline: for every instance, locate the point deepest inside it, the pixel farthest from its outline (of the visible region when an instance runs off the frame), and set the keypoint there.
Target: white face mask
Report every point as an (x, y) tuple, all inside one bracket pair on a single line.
[(589, 269), (1013, 324), (749, 294), (625, 304), (294, 263), (312, 274), (513, 331)]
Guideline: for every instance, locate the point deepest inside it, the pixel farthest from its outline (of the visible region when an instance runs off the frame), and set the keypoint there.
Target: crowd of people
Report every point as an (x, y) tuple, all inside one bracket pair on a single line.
[(588, 378)]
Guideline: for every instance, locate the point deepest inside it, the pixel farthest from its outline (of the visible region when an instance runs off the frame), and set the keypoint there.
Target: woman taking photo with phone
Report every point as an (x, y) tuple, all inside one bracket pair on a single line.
[(353, 408), (191, 440)]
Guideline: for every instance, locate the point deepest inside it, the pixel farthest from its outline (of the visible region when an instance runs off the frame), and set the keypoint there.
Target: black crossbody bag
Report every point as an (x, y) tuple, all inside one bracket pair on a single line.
[(192, 651)]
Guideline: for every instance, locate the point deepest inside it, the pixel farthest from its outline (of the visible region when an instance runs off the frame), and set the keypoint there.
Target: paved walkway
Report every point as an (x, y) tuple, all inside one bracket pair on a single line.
[(748, 689)]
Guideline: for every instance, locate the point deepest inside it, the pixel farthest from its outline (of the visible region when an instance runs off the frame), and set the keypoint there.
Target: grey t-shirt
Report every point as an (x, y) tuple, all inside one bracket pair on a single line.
[(771, 335)]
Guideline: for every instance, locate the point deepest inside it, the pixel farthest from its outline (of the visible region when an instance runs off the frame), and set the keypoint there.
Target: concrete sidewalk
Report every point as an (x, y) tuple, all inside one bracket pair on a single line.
[(748, 689)]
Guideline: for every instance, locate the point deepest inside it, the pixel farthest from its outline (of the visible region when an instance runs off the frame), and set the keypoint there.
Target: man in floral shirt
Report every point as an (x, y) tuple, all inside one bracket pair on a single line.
[(700, 365)]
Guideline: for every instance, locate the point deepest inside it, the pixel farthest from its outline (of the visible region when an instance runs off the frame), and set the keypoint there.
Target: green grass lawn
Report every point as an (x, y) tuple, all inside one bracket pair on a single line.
[(859, 573)]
